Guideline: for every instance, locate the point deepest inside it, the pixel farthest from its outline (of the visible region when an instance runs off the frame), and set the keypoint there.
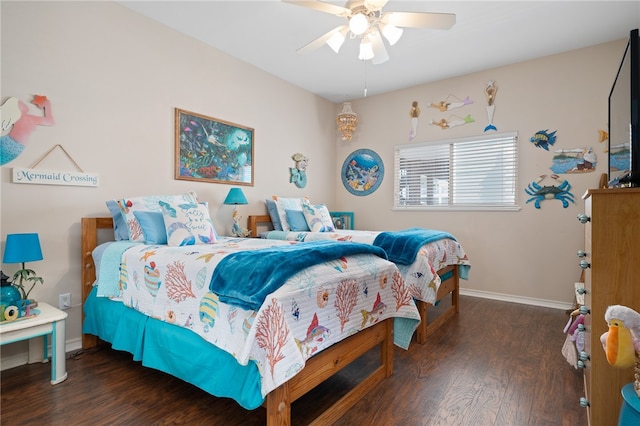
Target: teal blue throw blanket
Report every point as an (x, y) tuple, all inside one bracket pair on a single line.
[(402, 246), (246, 278)]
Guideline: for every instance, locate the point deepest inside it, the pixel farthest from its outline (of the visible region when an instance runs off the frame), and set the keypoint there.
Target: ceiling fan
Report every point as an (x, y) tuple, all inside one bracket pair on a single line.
[(366, 20)]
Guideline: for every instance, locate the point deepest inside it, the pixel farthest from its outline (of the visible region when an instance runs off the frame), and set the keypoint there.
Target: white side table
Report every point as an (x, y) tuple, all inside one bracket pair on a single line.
[(50, 321)]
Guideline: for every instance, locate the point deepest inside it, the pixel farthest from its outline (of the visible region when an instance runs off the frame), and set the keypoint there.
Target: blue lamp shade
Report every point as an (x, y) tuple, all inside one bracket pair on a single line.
[(235, 196), (22, 248)]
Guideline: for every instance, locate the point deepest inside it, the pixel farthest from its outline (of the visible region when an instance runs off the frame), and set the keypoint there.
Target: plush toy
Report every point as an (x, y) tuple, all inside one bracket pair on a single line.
[(622, 341), (574, 342)]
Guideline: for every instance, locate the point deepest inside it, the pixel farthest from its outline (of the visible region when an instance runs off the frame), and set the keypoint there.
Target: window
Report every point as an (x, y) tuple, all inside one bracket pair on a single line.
[(472, 173)]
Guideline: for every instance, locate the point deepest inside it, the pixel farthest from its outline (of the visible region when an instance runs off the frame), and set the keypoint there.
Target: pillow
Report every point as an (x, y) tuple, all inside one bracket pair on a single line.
[(120, 229), (187, 223), (283, 204), (146, 203), (318, 217), (152, 224), (272, 209), (296, 220)]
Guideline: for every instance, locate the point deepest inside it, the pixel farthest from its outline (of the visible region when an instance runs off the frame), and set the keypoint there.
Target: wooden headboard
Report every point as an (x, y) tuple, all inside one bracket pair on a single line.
[(90, 227), (254, 221)]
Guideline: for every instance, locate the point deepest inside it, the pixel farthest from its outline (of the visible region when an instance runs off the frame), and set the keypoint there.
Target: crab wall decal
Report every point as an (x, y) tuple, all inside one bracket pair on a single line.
[(549, 192)]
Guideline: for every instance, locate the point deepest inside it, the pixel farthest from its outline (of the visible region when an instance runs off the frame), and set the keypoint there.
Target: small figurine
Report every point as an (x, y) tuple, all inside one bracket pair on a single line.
[(299, 172), (236, 229)]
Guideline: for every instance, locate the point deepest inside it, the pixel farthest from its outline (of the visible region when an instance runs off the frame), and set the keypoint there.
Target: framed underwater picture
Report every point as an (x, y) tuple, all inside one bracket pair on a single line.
[(212, 150), (362, 172)]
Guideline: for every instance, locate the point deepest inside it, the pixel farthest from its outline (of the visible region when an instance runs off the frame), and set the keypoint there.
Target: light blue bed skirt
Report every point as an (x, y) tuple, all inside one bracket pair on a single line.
[(172, 349)]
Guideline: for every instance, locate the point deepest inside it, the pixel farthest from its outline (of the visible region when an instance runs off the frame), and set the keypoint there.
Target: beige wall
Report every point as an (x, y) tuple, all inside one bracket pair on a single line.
[(526, 254), (114, 79)]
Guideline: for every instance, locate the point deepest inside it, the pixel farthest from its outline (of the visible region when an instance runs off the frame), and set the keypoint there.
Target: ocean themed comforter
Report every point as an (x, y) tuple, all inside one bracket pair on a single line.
[(316, 307), (420, 275)]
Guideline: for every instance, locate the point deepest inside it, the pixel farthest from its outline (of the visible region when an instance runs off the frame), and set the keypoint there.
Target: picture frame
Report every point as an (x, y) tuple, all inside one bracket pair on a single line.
[(362, 172), (342, 220), (208, 149)]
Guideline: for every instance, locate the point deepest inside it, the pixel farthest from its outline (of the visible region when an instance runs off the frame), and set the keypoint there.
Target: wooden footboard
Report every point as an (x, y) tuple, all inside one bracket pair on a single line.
[(318, 368), (451, 285)]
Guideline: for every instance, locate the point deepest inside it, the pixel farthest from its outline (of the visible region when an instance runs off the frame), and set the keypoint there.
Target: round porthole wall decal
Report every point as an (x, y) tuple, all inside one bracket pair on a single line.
[(362, 172)]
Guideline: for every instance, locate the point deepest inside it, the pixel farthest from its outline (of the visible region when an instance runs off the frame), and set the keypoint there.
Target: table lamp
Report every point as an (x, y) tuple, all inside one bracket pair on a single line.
[(21, 248), (235, 197)]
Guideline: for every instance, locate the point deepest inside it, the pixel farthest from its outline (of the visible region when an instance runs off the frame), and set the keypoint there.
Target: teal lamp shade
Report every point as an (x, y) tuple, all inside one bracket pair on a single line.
[(235, 196), (21, 248)]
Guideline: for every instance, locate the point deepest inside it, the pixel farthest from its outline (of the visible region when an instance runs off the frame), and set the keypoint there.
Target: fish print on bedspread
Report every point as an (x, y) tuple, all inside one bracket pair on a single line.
[(316, 308)]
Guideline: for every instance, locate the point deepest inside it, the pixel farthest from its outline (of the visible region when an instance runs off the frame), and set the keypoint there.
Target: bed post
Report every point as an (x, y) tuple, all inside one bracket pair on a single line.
[(449, 286), (89, 234)]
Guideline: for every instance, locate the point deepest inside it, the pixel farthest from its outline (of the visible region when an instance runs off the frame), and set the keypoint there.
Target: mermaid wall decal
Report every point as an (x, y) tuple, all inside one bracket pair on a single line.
[(490, 92), (17, 125)]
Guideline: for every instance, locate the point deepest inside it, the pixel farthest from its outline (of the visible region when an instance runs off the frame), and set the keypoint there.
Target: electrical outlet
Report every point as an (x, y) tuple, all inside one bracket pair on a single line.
[(65, 301)]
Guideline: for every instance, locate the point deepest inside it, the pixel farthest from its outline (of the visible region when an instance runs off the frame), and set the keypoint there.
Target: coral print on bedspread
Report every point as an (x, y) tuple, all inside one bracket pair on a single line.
[(314, 309)]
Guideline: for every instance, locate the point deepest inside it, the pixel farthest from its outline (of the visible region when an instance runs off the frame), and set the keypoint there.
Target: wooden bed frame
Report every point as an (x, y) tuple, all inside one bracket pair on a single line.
[(318, 368), (450, 286)]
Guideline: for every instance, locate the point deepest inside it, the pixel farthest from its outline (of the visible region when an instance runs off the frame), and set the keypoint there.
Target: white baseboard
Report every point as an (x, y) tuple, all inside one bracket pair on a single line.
[(516, 299), (23, 358)]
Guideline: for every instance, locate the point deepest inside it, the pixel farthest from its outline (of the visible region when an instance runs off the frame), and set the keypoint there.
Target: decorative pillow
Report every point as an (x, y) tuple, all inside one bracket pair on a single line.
[(152, 224), (187, 223), (318, 217), (120, 229), (272, 209), (283, 204), (296, 220), (147, 203)]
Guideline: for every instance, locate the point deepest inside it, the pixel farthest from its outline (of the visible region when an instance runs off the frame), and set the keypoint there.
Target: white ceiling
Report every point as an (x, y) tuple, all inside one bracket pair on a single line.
[(486, 35)]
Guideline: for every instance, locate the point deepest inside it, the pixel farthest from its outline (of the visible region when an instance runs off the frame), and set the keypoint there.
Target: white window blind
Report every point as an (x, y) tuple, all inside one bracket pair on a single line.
[(477, 172)]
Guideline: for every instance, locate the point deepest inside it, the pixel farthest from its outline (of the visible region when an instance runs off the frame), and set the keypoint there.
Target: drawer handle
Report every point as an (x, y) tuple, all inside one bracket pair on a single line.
[(581, 290), (584, 264), (583, 402), (584, 310), (583, 356), (583, 218), (582, 253), (580, 364)]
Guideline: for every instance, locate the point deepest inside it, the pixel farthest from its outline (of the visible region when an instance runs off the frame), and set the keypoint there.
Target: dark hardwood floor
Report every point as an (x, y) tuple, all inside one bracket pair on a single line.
[(496, 363)]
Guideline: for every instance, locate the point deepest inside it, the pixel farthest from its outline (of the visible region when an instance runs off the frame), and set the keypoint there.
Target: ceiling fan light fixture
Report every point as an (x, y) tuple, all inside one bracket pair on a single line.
[(366, 50), (358, 24), (391, 33), (336, 40)]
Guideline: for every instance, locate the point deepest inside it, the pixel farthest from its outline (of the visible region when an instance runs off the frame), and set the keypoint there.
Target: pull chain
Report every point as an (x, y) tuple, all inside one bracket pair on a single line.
[(365, 78)]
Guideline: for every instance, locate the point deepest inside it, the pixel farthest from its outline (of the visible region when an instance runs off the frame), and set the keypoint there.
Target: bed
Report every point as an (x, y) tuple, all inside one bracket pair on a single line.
[(160, 339), (433, 275)]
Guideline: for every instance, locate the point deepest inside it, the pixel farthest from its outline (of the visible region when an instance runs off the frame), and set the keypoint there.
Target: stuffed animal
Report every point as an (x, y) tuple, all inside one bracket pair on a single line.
[(622, 341)]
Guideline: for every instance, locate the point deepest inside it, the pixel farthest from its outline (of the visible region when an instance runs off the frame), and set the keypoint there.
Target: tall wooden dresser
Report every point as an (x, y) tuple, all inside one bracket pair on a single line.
[(612, 277)]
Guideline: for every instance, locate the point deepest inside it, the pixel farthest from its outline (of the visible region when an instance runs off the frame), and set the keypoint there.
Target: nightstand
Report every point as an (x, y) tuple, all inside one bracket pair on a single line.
[(50, 321)]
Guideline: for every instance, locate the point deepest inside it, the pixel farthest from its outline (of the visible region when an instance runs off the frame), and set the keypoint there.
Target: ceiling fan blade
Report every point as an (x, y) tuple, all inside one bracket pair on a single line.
[(379, 51), (374, 5), (322, 7), (317, 43), (437, 21)]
